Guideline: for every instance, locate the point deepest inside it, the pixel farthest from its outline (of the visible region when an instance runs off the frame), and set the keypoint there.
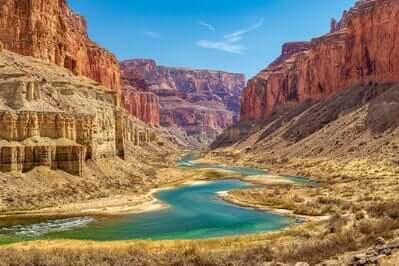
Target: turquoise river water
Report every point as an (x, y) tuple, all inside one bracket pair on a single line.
[(194, 212)]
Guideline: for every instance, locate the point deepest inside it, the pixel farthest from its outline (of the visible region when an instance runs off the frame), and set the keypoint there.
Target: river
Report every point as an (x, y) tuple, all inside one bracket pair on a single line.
[(194, 212)]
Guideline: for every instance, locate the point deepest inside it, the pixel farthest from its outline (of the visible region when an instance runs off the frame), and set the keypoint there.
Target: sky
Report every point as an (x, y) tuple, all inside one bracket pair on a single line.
[(241, 36)]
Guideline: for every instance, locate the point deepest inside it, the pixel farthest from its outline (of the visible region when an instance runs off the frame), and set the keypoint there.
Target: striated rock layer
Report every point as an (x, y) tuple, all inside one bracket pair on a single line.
[(361, 48), (49, 30), (143, 105), (50, 117), (137, 98), (201, 102)]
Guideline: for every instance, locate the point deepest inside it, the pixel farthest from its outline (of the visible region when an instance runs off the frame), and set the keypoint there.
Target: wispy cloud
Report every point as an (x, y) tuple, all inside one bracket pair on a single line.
[(231, 42), (224, 45), (207, 25), (239, 33), (152, 34)]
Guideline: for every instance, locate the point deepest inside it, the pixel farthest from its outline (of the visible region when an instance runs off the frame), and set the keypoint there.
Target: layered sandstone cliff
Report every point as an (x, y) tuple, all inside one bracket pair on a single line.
[(50, 117), (137, 98), (361, 48), (49, 30), (143, 105), (201, 102)]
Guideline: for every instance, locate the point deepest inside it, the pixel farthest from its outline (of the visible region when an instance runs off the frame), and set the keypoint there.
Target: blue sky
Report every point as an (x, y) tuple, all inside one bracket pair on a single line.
[(240, 36)]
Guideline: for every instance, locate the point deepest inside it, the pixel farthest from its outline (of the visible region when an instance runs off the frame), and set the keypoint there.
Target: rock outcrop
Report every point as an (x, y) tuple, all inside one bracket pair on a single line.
[(360, 49), (137, 98), (143, 105), (201, 102), (49, 30), (50, 117)]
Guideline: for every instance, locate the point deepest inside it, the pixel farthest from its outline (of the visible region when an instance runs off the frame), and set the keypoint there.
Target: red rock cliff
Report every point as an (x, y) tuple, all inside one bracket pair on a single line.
[(137, 98), (361, 48), (201, 102), (49, 30)]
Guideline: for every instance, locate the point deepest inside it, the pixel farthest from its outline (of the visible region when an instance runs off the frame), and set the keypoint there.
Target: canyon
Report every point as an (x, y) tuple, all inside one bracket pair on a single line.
[(201, 102), (82, 134), (65, 134), (195, 104), (50, 117), (64, 138), (328, 109), (361, 48), (333, 99)]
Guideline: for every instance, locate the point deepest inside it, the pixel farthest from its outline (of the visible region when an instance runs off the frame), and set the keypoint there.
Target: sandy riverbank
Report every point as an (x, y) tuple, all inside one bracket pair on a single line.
[(109, 206), (224, 195), (136, 203), (118, 204)]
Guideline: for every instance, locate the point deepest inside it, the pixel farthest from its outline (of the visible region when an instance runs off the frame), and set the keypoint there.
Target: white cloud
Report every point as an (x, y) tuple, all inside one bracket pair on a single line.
[(231, 42), (241, 32), (207, 25), (224, 45), (152, 34)]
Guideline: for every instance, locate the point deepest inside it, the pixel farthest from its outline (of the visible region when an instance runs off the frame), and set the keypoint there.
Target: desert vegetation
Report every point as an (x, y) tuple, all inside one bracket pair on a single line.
[(311, 243)]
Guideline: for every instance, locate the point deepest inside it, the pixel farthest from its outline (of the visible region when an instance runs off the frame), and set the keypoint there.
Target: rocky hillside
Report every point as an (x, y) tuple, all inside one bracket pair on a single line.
[(359, 123), (64, 134), (63, 138), (201, 102), (332, 99), (360, 48)]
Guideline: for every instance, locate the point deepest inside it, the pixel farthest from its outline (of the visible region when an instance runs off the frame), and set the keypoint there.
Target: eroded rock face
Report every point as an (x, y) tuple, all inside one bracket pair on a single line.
[(361, 48), (49, 30), (50, 117), (201, 102), (138, 99), (143, 105)]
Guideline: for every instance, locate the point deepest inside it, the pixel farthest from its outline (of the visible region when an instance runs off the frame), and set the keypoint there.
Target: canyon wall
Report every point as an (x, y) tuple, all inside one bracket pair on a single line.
[(137, 99), (201, 102), (361, 48), (143, 105), (49, 30), (50, 117)]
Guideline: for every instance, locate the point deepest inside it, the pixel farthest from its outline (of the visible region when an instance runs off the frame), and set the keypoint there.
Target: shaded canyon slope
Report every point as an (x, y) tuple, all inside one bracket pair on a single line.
[(201, 102), (356, 123), (332, 99)]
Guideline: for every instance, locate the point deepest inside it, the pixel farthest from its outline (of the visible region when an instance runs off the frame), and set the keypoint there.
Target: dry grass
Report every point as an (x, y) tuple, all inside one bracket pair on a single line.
[(310, 201), (312, 243), (390, 261)]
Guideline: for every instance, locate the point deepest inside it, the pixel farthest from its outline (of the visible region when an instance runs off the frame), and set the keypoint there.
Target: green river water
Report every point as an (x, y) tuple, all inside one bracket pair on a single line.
[(194, 212)]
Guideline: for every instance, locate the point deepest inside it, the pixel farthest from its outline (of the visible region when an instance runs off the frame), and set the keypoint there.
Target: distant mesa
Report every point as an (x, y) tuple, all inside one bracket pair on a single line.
[(200, 102)]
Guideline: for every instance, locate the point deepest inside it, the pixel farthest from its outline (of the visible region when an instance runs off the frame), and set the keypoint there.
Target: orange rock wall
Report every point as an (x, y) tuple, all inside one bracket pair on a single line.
[(49, 30), (137, 98), (201, 102), (361, 48), (143, 105)]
